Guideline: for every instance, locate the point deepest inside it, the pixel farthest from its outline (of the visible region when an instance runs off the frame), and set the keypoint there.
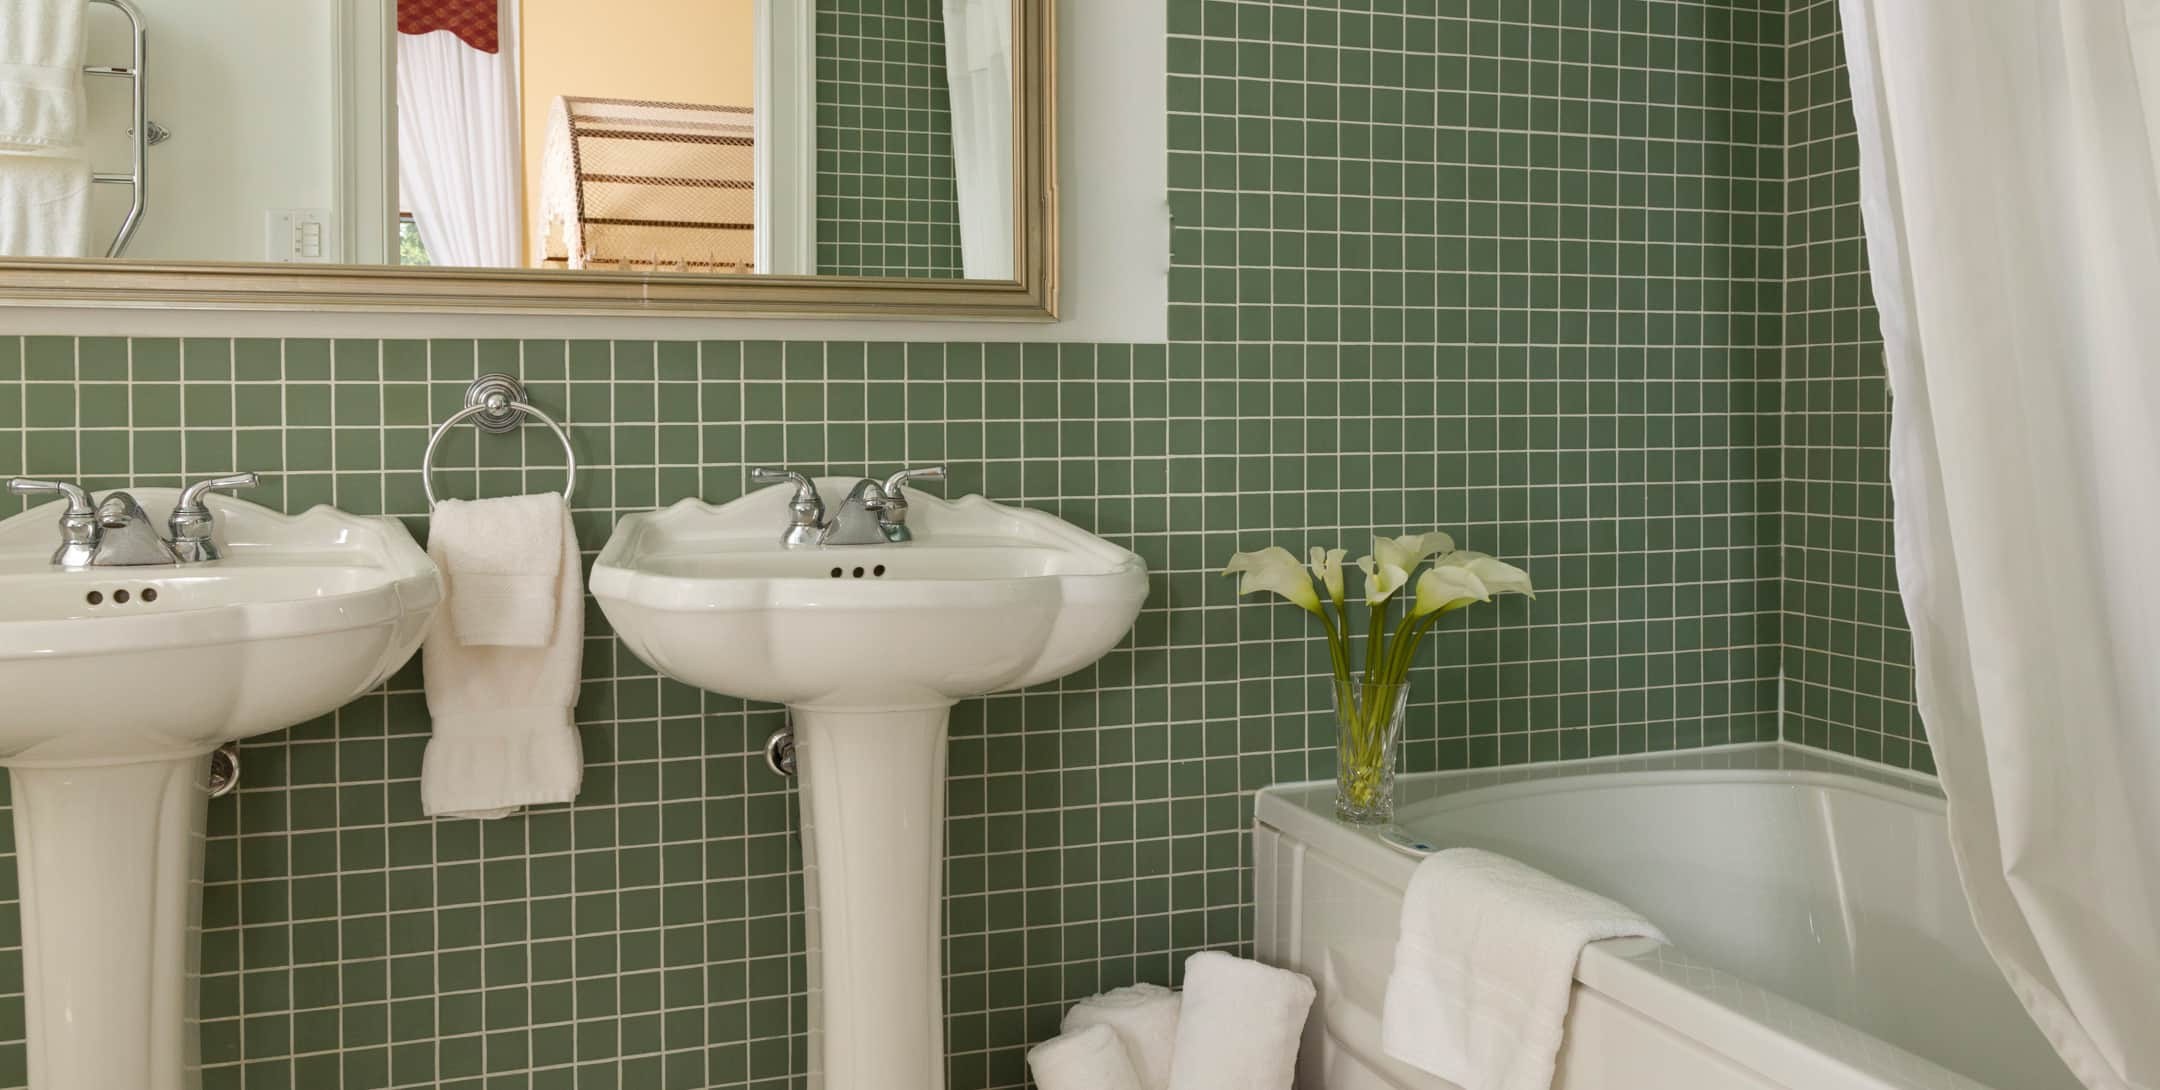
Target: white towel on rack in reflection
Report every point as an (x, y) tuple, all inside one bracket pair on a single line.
[(41, 78), (44, 205), (505, 733)]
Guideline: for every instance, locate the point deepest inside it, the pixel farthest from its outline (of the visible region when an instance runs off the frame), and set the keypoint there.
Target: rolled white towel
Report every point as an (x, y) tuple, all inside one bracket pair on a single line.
[(1091, 1059), (1239, 1026), (1145, 1018)]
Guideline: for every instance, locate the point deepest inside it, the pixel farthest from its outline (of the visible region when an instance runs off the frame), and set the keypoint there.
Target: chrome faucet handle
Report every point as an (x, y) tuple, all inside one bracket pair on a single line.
[(905, 477), (892, 514), (192, 527), (78, 501), (192, 495), (79, 527), (806, 511)]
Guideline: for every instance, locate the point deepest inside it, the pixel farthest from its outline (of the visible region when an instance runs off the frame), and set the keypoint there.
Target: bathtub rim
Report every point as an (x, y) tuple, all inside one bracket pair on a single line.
[(1775, 1037)]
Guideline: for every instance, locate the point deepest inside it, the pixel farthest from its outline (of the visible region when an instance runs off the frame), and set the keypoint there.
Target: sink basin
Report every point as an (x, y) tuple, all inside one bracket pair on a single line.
[(869, 646), (986, 598), (304, 614)]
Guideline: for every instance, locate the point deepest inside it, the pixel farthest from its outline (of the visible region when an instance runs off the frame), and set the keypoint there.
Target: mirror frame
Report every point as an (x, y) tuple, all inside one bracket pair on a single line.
[(47, 282)]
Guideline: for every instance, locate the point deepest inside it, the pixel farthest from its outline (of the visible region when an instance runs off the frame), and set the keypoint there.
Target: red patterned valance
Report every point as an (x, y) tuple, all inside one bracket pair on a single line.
[(475, 22)]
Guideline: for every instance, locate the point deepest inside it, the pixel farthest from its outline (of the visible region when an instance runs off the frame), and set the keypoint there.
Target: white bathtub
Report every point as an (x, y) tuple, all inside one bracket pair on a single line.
[(1820, 938)]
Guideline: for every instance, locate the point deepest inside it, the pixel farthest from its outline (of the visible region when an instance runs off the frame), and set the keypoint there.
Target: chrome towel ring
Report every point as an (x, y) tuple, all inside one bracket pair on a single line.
[(496, 402)]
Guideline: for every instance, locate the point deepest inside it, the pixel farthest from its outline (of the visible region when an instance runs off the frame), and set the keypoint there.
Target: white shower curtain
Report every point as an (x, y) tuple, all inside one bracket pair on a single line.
[(2013, 221), (458, 149), (978, 67)]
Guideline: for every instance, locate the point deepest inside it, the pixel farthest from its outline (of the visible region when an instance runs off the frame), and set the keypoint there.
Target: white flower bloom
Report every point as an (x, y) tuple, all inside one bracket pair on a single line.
[(1274, 569), (1327, 567), (1410, 550), (1499, 576), (1381, 578), (1444, 587)]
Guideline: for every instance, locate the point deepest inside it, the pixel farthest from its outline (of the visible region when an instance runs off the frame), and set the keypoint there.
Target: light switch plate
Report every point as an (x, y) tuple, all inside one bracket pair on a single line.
[(300, 235)]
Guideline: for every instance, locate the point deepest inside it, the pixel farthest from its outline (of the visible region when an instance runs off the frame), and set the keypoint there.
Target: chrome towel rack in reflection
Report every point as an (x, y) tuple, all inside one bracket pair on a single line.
[(142, 132), (496, 403)]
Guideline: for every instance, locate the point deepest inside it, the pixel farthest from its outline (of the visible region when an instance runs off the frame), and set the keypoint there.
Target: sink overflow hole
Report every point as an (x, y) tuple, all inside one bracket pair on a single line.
[(838, 573), (120, 597)]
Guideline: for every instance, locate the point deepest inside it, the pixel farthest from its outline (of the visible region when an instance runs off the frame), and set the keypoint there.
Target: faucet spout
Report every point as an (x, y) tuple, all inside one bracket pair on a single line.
[(129, 539)]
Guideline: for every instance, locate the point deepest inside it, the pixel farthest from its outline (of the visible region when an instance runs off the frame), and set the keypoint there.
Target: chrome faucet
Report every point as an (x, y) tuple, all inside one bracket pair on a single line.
[(872, 513), (118, 533)]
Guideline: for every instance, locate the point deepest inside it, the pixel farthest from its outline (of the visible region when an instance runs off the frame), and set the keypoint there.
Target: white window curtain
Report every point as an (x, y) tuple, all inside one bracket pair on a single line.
[(458, 149), (2013, 223), (978, 66)]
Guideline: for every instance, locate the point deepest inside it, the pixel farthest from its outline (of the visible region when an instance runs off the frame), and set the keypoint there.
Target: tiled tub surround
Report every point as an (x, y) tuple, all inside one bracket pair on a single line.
[(1848, 655), (1411, 288)]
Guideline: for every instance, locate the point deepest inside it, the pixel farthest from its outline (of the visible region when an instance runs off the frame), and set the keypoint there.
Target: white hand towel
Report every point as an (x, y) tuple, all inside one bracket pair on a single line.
[(1145, 1018), (1484, 967), (41, 78), (44, 204), (1239, 1026), (1091, 1059), (501, 559), (505, 736)]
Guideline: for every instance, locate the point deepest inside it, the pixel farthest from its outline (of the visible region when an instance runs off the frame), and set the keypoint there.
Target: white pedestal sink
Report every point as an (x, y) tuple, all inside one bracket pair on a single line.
[(120, 682), (869, 647)]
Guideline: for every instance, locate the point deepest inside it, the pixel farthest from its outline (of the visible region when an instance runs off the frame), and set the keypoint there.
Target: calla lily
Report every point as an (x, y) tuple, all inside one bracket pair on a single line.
[(1499, 576), (1446, 587), (1410, 550), (1327, 567), (1274, 569), (1381, 578)]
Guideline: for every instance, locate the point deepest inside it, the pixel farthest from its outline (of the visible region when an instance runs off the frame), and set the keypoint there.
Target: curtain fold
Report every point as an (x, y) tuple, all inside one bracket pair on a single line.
[(2013, 224), (458, 149), (978, 68)]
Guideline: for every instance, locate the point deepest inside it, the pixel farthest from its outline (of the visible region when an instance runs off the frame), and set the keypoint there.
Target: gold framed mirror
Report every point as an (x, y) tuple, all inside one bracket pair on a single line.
[(886, 88)]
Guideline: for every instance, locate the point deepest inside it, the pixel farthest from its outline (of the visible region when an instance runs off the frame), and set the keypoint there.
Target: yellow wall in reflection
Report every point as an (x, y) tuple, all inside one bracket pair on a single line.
[(698, 51)]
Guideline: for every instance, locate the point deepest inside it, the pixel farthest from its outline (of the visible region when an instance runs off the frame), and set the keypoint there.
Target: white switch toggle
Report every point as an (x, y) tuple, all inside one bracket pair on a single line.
[(299, 234)]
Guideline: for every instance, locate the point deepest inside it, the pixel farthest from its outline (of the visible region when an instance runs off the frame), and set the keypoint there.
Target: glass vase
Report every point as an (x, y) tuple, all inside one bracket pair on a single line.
[(1368, 730)]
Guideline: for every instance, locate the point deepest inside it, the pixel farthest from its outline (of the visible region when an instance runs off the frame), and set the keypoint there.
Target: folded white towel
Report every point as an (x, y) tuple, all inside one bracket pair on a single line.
[(1484, 966), (501, 559), (504, 732), (41, 78), (1091, 1059), (1239, 1026), (1145, 1018), (44, 204)]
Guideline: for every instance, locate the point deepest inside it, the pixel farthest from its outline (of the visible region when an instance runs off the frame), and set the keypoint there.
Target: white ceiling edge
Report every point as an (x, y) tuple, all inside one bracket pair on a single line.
[(1113, 167)]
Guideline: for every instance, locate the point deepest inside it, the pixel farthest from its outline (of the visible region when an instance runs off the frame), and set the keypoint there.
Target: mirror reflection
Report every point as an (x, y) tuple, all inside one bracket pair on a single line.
[(869, 138)]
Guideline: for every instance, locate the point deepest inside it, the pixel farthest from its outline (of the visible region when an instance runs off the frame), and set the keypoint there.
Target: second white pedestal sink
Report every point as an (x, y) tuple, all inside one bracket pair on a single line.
[(869, 647), (120, 682)]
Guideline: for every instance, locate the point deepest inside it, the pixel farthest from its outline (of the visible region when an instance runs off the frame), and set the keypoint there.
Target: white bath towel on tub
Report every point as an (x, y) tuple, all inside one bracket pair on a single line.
[(1484, 966)]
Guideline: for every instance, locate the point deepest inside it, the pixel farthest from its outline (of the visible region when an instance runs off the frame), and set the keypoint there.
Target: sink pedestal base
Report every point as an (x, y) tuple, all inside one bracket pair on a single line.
[(873, 805), (111, 871)]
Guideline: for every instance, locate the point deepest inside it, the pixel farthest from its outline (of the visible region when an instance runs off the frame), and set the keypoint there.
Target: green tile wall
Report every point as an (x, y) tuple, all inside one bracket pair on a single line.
[(888, 200), (1848, 655), (1511, 269)]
